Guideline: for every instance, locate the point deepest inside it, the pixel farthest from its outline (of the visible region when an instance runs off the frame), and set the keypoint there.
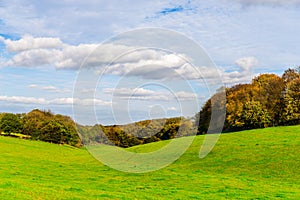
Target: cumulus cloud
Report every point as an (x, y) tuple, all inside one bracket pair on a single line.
[(34, 58), (28, 42), (147, 63), (33, 52), (247, 63), (244, 74), (57, 101), (163, 68), (71, 57)]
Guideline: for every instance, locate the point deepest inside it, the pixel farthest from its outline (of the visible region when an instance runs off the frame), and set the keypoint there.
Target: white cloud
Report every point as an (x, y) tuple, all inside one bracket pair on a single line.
[(149, 95), (86, 102), (247, 63), (61, 101), (50, 88), (57, 101), (244, 74), (35, 58), (33, 86), (172, 109), (35, 52), (24, 100), (146, 63), (136, 94), (73, 56), (129, 92), (28, 42)]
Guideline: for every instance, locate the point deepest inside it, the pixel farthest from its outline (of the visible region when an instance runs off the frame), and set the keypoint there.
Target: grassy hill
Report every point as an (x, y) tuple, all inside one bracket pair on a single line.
[(256, 164)]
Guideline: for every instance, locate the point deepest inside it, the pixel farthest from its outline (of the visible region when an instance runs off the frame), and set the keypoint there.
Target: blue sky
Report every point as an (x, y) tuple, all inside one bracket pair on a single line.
[(43, 45)]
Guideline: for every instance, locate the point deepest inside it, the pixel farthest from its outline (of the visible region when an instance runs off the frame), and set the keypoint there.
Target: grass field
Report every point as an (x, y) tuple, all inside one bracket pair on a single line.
[(256, 164)]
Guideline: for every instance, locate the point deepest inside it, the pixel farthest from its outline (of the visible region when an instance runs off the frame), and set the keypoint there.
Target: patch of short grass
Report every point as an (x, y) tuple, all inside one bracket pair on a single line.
[(256, 164)]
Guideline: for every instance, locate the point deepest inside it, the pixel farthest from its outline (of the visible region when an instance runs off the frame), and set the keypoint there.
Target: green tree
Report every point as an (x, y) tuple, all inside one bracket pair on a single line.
[(34, 121), (254, 115), (45, 126), (68, 131), (10, 123), (291, 113)]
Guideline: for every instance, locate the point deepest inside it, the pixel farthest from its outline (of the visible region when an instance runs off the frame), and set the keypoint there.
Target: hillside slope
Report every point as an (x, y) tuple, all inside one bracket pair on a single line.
[(260, 164)]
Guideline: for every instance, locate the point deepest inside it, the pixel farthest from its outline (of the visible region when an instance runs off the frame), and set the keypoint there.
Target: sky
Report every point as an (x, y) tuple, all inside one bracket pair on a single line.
[(115, 62)]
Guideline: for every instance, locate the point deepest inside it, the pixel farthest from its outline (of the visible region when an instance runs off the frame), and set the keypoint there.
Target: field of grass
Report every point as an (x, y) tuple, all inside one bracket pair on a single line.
[(256, 164)]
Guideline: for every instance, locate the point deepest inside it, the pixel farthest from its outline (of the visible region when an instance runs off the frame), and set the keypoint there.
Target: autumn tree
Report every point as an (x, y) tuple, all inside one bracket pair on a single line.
[(270, 87), (236, 98), (291, 112), (269, 100)]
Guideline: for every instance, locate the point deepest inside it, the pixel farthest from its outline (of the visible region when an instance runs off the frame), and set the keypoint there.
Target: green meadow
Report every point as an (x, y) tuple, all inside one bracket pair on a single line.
[(255, 164)]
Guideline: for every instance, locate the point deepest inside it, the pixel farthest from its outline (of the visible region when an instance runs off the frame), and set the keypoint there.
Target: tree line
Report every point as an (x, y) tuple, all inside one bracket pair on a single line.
[(137, 133), (269, 100), (55, 128), (40, 125)]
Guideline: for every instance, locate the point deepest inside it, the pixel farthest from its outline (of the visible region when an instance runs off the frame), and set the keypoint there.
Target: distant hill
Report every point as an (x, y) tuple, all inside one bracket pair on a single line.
[(137, 133)]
